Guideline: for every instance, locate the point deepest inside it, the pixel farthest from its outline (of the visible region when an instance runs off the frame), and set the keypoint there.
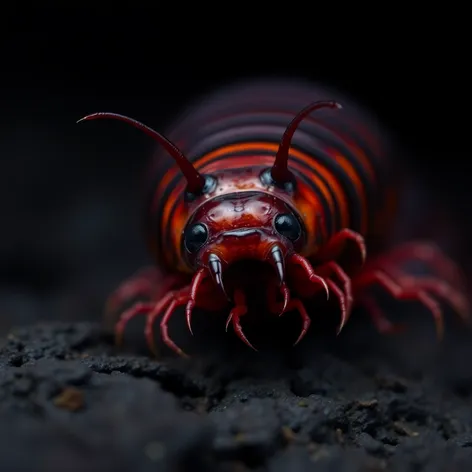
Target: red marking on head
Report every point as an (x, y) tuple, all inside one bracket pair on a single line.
[(241, 226)]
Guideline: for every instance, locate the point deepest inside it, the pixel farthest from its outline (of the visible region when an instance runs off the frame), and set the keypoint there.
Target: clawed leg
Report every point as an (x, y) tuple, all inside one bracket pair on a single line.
[(140, 284), (381, 323), (310, 280), (314, 280), (343, 255), (148, 284), (344, 297), (347, 248), (387, 272), (166, 307), (282, 307), (401, 292), (427, 253), (136, 310), (168, 303), (239, 309)]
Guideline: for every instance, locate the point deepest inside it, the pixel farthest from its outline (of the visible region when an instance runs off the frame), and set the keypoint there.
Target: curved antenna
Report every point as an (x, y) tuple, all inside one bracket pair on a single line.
[(195, 181), (279, 172)]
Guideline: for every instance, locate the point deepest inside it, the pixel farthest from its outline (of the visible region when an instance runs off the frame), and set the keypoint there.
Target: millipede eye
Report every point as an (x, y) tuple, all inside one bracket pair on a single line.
[(287, 225), (195, 237), (209, 187), (266, 179)]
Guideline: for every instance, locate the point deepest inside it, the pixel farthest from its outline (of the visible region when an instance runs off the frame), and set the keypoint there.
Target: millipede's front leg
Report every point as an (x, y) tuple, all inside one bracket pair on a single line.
[(288, 304), (239, 310), (137, 309), (344, 297), (149, 283), (150, 309), (148, 292), (166, 308)]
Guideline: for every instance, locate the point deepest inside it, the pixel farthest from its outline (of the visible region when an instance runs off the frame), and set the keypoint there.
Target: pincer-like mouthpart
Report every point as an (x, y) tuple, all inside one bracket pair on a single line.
[(215, 267), (276, 258)]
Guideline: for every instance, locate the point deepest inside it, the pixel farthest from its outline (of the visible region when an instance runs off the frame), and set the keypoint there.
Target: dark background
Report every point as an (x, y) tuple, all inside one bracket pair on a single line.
[(70, 222)]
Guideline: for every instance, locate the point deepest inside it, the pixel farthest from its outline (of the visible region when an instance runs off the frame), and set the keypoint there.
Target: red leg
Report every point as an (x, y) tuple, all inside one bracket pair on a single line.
[(414, 288), (197, 282), (330, 268), (425, 252), (136, 310), (402, 293), (434, 286), (275, 307), (444, 281), (309, 280), (197, 293), (297, 305), (346, 299), (148, 283), (342, 303), (347, 248), (282, 307), (293, 304), (344, 252), (381, 323), (180, 298), (239, 309)]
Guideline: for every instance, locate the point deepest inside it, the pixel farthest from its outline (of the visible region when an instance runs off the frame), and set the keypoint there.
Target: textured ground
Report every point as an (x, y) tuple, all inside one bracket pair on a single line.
[(70, 401)]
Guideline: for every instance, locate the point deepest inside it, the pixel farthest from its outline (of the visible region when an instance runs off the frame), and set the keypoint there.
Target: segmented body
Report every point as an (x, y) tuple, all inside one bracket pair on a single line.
[(251, 173), (342, 162)]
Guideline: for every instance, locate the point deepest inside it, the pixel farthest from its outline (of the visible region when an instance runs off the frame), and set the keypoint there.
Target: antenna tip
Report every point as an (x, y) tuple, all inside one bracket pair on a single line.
[(87, 117), (92, 116)]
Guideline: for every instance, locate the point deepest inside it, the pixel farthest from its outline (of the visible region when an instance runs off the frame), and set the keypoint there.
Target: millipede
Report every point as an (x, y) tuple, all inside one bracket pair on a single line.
[(286, 187)]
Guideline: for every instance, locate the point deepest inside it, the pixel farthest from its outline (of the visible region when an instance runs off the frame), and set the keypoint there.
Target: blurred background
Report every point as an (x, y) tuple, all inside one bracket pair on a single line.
[(70, 208)]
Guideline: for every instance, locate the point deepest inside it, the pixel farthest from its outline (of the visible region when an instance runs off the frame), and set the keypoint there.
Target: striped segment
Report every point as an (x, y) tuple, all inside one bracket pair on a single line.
[(336, 155)]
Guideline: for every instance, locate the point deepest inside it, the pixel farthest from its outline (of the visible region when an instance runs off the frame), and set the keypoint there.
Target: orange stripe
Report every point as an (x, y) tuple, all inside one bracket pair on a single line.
[(308, 159), (307, 204), (235, 148), (351, 172), (306, 201), (264, 160), (205, 164), (350, 143)]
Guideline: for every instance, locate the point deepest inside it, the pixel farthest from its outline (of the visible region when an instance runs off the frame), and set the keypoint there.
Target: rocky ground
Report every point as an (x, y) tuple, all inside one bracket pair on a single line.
[(71, 401)]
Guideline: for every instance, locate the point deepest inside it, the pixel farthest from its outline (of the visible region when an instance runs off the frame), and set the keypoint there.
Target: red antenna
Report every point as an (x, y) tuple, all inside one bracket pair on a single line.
[(279, 171), (195, 180)]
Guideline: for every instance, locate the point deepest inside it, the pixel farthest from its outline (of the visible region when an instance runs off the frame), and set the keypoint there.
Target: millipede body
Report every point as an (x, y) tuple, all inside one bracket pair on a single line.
[(283, 186)]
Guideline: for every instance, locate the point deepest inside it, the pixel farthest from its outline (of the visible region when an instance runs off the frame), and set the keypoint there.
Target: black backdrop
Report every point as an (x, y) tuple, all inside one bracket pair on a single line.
[(70, 228)]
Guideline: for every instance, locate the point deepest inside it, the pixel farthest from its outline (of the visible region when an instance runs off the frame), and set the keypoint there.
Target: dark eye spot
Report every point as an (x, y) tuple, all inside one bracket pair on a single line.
[(287, 225), (195, 237)]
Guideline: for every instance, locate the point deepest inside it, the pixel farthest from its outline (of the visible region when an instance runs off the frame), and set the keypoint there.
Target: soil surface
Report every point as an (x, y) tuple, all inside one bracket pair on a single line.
[(70, 400)]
